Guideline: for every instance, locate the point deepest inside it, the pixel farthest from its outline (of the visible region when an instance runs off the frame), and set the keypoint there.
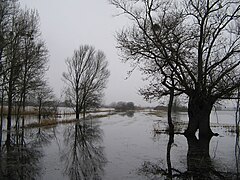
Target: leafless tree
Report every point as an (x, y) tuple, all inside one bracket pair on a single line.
[(11, 62), (23, 55), (196, 43), (33, 61), (6, 10), (86, 78), (41, 96)]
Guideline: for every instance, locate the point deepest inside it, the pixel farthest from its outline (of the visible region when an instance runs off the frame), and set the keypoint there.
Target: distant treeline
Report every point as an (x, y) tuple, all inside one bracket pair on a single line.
[(123, 106)]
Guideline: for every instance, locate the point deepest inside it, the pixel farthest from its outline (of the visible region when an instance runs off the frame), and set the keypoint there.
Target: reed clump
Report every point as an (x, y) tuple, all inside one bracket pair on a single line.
[(52, 122), (45, 122)]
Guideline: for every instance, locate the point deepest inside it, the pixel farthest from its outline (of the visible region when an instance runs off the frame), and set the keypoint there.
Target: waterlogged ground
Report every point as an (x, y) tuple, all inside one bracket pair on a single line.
[(123, 146)]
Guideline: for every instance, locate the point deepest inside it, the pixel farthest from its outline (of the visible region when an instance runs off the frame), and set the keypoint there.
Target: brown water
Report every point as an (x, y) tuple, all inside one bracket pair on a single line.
[(122, 146)]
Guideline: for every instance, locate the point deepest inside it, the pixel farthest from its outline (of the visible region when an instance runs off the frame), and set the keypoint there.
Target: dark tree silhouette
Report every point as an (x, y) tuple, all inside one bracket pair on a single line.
[(124, 106), (196, 41), (23, 57), (41, 96), (19, 161), (83, 156), (86, 78)]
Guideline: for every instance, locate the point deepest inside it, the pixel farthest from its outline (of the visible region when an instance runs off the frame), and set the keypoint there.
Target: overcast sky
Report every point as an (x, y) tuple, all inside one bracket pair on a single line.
[(65, 25)]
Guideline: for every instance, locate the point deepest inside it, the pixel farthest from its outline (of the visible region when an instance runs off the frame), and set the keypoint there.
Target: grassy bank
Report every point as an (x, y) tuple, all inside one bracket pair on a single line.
[(54, 122)]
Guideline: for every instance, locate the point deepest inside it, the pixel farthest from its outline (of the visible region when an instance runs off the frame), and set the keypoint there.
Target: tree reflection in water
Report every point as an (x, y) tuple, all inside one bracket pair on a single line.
[(83, 156), (199, 163), (237, 155), (198, 160), (20, 159), (129, 114), (43, 136)]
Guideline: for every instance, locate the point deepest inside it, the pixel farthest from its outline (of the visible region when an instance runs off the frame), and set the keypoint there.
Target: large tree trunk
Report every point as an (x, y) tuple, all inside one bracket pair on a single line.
[(77, 115), (199, 110), (198, 158), (77, 105), (77, 111)]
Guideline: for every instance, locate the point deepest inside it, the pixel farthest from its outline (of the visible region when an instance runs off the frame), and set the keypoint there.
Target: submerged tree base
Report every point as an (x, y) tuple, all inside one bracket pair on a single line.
[(210, 134)]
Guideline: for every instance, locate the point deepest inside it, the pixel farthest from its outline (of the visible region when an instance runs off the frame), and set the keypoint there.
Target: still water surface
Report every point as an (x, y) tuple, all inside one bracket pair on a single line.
[(121, 146)]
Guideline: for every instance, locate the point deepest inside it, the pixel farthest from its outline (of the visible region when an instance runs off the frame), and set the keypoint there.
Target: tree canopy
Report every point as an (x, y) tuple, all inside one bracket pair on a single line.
[(86, 78), (23, 57), (191, 46)]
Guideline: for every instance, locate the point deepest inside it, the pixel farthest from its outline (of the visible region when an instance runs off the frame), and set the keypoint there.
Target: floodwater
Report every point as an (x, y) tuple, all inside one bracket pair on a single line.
[(123, 146)]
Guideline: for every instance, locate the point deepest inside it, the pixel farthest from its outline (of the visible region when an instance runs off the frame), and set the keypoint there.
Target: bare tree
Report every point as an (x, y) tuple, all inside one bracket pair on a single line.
[(86, 78), (33, 61), (23, 55), (12, 62), (41, 97), (194, 42), (35, 58), (6, 12)]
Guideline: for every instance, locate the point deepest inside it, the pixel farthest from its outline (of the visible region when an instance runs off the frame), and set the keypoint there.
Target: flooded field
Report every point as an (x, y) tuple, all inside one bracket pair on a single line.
[(123, 146)]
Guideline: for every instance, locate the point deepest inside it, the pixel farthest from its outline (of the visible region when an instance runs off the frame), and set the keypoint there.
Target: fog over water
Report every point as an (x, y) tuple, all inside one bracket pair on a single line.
[(66, 25)]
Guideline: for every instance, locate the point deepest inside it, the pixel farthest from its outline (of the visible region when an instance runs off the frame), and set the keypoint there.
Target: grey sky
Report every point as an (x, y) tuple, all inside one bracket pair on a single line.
[(66, 25)]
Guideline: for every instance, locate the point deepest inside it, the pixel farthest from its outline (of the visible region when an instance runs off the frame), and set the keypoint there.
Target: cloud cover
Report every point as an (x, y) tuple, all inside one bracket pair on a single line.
[(66, 25)]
